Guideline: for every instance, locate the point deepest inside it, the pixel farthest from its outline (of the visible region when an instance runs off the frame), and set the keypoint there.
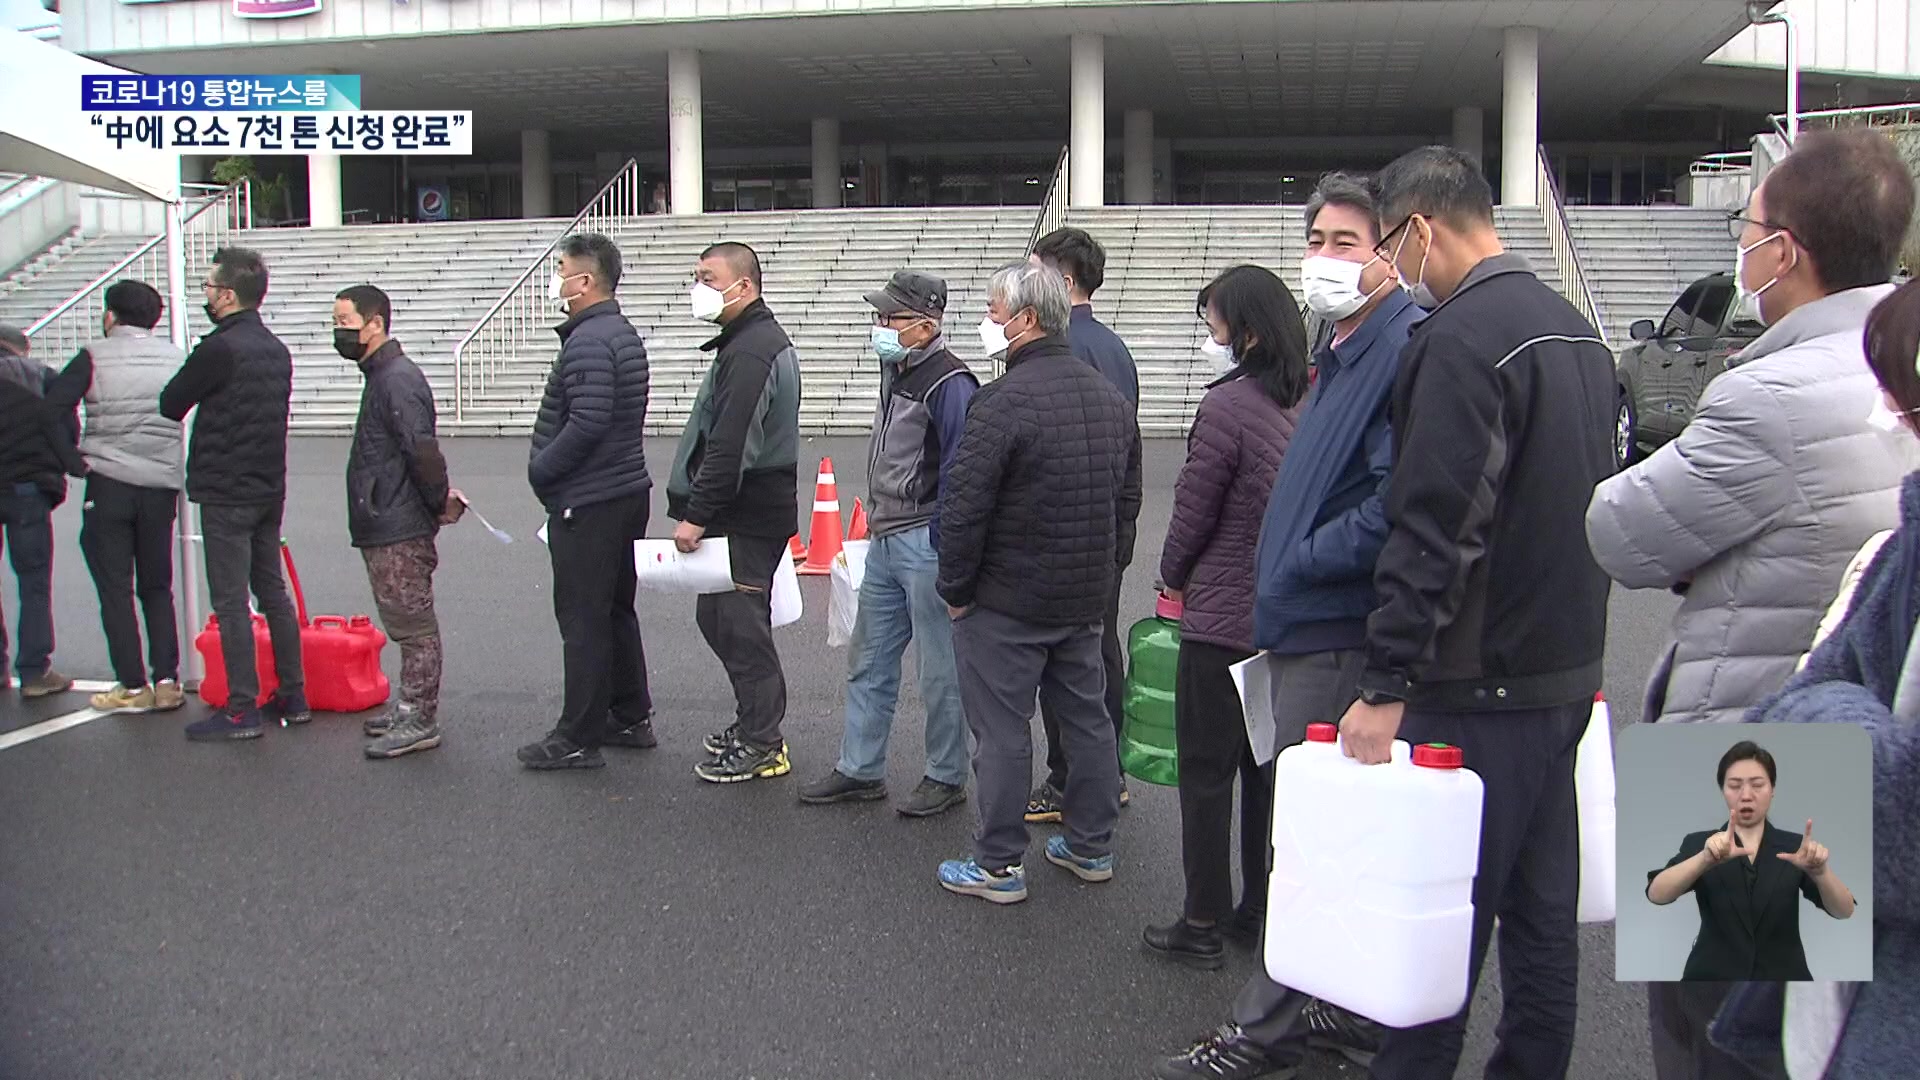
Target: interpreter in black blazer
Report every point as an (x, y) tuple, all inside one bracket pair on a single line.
[(1747, 878)]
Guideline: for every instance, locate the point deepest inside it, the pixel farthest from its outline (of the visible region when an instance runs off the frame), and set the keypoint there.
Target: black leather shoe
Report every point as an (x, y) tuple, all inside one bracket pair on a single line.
[(837, 787), (1188, 944)]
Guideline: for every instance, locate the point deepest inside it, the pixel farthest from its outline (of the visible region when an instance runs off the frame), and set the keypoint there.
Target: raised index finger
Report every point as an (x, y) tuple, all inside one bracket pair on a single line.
[(1734, 834), (1809, 832)]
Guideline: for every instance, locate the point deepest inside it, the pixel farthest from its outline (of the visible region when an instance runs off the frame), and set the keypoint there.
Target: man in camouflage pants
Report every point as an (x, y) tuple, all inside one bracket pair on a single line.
[(397, 499)]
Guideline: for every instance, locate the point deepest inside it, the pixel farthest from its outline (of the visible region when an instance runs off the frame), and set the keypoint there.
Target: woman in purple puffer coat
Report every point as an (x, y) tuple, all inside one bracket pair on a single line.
[(1258, 342)]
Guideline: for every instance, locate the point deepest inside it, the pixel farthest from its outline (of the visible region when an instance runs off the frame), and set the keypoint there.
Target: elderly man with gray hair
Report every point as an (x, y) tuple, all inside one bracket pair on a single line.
[(1036, 519)]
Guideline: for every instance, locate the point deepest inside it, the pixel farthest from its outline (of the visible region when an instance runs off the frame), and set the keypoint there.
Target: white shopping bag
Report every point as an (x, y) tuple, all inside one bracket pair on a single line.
[(1593, 787), (786, 593), (843, 600), (661, 567)]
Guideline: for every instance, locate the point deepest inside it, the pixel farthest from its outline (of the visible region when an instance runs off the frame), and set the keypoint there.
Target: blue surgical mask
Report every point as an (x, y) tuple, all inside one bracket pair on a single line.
[(886, 343)]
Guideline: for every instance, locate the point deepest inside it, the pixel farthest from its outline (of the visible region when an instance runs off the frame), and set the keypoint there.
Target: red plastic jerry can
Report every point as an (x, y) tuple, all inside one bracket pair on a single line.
[(213, 688), (342, 658)]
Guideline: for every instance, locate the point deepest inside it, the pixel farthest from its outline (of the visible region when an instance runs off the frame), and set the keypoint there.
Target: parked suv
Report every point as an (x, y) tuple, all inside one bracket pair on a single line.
[(1663, 373)]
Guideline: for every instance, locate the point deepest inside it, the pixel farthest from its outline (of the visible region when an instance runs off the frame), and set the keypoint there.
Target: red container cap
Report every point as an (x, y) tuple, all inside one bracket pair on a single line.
[(1322, 733), (359, 622), (1437, 755), (1166, 607)]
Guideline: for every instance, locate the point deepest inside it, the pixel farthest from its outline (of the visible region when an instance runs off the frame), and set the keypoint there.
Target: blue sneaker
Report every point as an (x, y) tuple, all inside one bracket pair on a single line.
[(1095, 869), (226, 724), (969, 878)]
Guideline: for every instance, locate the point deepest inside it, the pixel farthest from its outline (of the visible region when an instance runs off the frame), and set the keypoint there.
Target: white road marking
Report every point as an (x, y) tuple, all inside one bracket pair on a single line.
[(48, 727), (91, 686)]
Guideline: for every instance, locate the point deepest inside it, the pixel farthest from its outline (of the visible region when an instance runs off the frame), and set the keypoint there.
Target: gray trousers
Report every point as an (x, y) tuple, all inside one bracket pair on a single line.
[(1002, 662), (242, 544), (738, 627)]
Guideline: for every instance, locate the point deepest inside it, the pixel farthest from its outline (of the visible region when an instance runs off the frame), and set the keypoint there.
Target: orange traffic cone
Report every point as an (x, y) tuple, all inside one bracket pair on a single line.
[(825, 542), (857, 529), (797, 549)]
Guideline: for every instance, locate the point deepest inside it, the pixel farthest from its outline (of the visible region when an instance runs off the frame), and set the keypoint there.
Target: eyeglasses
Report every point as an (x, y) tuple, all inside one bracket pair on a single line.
[(1737, 222), (1384, 248)]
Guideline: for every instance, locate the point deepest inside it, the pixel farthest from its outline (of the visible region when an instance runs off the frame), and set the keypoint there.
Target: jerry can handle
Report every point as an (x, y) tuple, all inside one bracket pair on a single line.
[(293, 578), (329, 622)]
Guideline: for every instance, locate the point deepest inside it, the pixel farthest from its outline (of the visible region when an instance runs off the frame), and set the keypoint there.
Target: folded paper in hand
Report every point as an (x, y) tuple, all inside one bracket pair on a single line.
[(661, 567), (1253, 677)]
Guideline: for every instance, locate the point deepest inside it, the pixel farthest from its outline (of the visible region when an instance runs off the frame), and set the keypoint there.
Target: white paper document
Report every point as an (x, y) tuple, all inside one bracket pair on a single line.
[(661, 567), (1253, 677)]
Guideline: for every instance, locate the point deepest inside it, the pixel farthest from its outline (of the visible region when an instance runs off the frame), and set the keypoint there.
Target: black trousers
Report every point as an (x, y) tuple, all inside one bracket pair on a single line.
[(1114, 659), (738, 627), (1529, 880), (1678, 1014), (605, 665), (126, 534), (242, 545), (1213, 750)]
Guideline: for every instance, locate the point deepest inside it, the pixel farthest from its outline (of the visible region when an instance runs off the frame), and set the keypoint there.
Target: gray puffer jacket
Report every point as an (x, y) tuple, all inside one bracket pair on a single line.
[(1754, 511)]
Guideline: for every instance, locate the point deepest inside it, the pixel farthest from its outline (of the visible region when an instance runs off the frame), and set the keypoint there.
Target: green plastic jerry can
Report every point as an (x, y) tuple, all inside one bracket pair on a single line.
[(1147, 748)]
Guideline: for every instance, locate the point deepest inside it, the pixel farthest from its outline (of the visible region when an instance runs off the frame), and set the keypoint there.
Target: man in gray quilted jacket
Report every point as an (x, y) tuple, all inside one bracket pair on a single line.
[(1753, 512)]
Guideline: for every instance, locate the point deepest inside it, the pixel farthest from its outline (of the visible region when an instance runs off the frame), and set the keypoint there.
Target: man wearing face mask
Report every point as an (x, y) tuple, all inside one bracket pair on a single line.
[(1082, 263), (1753, 512), (240, 377), (924, 393), (737, 476), (1489, 622), (1037, 519), (397, 499), (587, 463)]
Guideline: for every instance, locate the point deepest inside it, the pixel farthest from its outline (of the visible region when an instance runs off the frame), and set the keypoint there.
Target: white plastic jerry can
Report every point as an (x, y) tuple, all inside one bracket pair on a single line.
[(1370, 904), (1593, 788)]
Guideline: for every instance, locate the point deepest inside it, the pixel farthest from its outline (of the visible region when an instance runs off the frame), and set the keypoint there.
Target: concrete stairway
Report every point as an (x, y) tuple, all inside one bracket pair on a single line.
[(64, 269), (1159, 257), (1639, 259)]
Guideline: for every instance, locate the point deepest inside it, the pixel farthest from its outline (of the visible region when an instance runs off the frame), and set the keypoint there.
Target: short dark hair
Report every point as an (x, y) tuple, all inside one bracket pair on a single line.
[(1744, 750), (1892, 342), (369, 301), (134, 303), (1847, 199), (1076, 255), (598, 249), (742, 259), (1344, 189), (1263, 327), (14, 340), (1438, 181), (243, 271)]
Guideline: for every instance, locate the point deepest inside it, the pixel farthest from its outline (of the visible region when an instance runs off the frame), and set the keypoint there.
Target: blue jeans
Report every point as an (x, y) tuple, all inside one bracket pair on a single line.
[(26, 531), (898, 604)]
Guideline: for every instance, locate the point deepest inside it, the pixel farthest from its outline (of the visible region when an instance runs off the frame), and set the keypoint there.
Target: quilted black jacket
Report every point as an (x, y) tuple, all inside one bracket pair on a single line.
[(589, 438), (396, 474), (1038, 512), (241, 377)]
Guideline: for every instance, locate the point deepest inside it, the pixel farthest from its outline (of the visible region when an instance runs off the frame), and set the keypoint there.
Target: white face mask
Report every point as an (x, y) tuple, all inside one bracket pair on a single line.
[(1883, 416), (1333, 286), (708, 303), (1750, 298), (1220, 355), (1418, 290), (554, 294), (993, 337)]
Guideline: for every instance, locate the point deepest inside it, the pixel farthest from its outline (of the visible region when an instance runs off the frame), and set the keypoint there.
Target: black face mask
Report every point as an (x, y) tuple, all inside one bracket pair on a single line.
[(346, 342), (212, 315)]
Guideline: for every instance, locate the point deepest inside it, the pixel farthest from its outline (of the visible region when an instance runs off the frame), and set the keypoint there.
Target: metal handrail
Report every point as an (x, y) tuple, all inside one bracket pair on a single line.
[(616, 203), (1053, 205), (1731, 164), (71, 329), (1573, 276), (1907, 113)]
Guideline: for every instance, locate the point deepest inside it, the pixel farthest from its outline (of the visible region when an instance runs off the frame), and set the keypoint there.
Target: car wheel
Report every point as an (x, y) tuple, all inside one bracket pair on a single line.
[(1625, 449)]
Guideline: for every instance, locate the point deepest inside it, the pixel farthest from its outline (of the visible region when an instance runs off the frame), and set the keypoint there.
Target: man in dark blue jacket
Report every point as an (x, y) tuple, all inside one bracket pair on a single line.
[(1313, 580), (588, 465)]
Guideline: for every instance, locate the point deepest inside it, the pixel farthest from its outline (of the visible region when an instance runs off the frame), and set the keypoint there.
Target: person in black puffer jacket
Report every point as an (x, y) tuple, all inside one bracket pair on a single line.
[(1036, 518), (37, 436), (240, 378), (588, 465), (397, 499)]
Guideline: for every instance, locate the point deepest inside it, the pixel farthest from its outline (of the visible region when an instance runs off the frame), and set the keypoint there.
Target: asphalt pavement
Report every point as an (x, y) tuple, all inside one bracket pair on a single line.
[(286, 908)]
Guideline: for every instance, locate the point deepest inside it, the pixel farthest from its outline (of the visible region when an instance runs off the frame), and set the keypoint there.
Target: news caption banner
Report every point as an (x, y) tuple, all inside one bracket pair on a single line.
[(271, 114)]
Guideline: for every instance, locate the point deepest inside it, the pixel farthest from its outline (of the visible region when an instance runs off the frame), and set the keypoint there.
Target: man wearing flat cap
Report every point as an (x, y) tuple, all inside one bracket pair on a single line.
[(924, 393)]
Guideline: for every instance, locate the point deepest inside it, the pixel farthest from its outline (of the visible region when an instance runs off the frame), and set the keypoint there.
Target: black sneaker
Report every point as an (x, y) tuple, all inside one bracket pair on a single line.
[(559, 752), (717, 743), (224, 724), (1045, 805), (291, 708), (1189, 944), (932, 797), (1224, 1054), (839, 787), (1348, 1034), (636, 736), (742, 762)]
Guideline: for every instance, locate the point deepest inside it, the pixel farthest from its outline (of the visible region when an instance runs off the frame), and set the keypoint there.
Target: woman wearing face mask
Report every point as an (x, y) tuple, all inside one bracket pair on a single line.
[(1233, 453), (1866, 672)]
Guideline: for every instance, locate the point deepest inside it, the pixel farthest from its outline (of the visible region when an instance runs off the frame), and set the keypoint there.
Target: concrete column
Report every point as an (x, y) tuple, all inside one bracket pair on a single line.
[(1470, 132), (827, 189), (1087, 165), (1163, 190), (1519, 115), (323, 191), (685, 168), (1137, 148), (536, 174)]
